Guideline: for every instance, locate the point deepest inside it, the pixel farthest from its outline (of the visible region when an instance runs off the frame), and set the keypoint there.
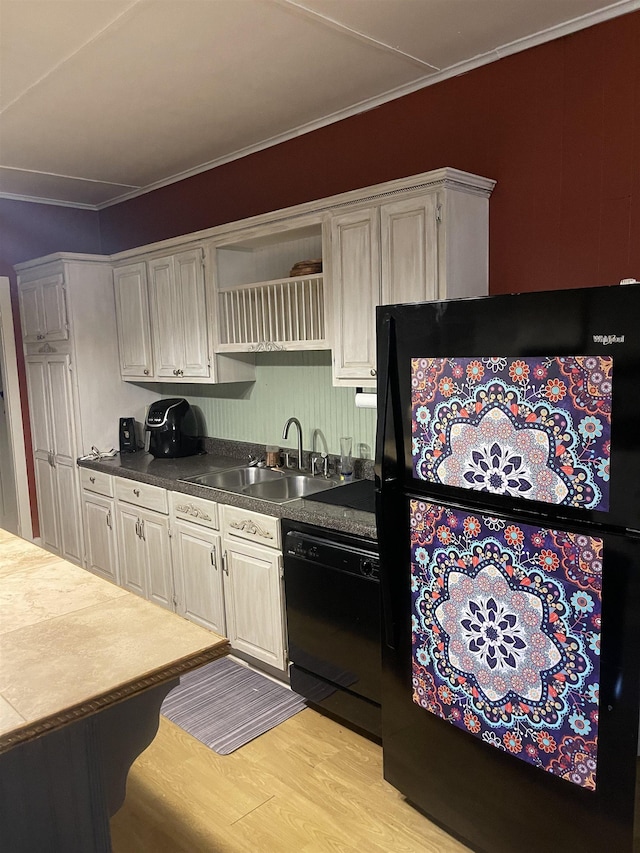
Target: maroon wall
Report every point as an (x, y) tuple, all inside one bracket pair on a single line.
[(28, 231), (558, 127)]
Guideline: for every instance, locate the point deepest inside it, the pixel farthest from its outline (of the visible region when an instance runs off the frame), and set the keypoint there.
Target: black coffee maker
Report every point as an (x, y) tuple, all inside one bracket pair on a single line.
[(172, 428)]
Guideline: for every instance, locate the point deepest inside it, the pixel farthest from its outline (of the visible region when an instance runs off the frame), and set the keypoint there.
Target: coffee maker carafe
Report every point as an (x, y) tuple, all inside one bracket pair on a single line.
[(172, 428)]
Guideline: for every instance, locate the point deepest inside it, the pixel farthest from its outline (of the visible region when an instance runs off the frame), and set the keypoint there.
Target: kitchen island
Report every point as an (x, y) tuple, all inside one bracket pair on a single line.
[(84, 668)]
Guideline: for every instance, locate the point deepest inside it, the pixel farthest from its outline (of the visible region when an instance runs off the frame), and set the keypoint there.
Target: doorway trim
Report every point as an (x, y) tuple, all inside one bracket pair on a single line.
[(14, 409)]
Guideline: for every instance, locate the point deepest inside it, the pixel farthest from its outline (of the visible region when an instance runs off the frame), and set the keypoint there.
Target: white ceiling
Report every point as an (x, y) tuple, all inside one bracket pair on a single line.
[(101, 100)]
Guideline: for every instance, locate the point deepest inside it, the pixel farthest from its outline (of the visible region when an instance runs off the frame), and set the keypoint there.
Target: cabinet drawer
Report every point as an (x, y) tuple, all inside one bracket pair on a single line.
[(196, 510), (97, 481), (252, 526), (142, 494)]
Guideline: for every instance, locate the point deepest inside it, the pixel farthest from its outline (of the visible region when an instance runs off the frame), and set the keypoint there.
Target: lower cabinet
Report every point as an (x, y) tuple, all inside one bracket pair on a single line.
[(98, 513), (219, 566), (197, 561), (253, 585), (144, 552)]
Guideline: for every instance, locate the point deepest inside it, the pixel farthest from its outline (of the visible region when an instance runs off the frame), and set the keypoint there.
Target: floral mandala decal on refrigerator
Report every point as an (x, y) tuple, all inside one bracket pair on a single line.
[(535, 428), (506, 635)]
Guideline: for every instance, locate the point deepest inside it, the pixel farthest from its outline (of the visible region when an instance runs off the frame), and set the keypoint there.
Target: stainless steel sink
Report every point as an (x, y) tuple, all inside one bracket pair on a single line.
[(288, 488), (236, 479)]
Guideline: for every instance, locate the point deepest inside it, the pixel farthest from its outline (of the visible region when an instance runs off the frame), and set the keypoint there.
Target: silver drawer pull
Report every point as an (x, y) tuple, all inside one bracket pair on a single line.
[(92, 479), (136, 492)]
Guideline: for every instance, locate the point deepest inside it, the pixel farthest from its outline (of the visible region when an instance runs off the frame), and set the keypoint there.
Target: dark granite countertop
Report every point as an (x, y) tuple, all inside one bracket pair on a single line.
[(167, 474)]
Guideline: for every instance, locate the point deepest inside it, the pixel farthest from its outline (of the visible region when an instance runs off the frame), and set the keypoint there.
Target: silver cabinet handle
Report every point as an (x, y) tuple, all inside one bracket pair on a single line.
[(109, 524), (92, 479), (138, 527), (180, 372), (142, 536), (146, 371), (136, 492), (213, 557), (175, 372), (225, 564), (373, 371)]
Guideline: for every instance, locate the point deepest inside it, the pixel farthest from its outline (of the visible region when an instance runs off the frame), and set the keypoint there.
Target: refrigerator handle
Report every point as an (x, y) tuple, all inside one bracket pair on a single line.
[(389, 503)]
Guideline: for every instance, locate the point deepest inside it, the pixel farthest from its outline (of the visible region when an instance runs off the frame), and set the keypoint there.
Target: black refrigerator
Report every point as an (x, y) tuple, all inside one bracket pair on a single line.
[(508, 513)]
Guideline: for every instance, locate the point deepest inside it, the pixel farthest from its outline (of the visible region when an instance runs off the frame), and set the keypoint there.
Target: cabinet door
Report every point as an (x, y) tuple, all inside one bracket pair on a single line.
[(409, 232), (132, 315), (355, 280), (189, 269), (31, 319), (154, 532), (61, 411), (254, 602), (47, 495), (131, 555), (166, 317), (54, 311), (100, 536), (197, 575)]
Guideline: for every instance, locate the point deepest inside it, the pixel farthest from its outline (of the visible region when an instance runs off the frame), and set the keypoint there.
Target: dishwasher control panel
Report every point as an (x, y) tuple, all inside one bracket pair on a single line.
[(353, 557)]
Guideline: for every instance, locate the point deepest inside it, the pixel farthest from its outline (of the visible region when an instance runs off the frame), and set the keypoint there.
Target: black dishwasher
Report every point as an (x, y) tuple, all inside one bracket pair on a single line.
[(333, 616)]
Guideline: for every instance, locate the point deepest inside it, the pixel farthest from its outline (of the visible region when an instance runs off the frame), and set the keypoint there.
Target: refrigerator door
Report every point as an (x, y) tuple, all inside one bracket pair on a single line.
[(526, 403), (510, 682)]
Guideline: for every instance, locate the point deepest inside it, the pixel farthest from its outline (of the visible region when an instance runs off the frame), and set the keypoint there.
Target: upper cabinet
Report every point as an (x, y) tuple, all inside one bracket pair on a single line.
[(165, 314), (196, 309), (355, 275), (134, 329), (270, 288), (178, 316), (43, 311), (418, 239)]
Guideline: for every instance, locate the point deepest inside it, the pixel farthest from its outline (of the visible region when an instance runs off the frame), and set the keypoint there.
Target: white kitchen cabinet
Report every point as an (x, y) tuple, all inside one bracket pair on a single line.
[(416, 239), (43, 313), (253, 586), (197, 574), (101, 547), (178, 315), (144, 553), (100, 533), (133, 321), (355, 276), (76, 395), (197, 561), (54, 442), (144, 550)]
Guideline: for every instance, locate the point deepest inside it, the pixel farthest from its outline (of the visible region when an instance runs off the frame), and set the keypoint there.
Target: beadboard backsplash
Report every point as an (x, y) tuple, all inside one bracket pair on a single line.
[(287, 384)]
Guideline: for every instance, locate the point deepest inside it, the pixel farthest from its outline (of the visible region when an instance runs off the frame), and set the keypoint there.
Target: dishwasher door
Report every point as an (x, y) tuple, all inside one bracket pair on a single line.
[(333, 618)]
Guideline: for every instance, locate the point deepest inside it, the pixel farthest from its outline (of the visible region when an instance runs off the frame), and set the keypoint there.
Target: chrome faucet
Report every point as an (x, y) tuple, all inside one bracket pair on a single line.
[(285, 433)]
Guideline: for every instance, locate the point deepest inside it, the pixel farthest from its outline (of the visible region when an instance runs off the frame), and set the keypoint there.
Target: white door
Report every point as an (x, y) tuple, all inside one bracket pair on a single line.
[(166, 317), (132, 313), (409, 231), (42, 443), (100, 536), (154, 532), (64, 455), (254, 602), (54, 311), (189, 272), (355, 280), (197, 574), (31, 319), (131, 555)]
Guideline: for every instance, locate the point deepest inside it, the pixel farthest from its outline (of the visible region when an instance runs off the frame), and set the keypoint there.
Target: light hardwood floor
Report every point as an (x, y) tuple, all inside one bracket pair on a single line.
[(308, 786)]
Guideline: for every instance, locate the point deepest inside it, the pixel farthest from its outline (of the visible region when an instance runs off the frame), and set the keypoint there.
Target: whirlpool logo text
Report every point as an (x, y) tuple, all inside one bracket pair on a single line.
[(608, 339)]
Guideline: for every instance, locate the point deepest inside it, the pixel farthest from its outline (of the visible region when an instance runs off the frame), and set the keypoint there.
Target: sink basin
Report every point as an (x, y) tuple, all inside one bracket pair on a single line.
[(236, 479), (288, 488)]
